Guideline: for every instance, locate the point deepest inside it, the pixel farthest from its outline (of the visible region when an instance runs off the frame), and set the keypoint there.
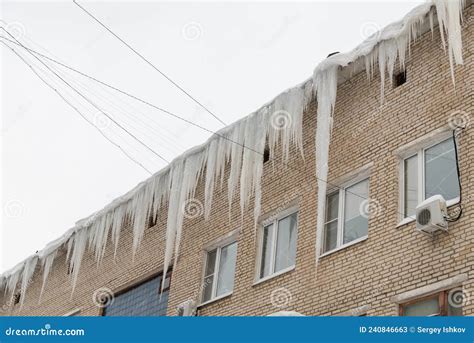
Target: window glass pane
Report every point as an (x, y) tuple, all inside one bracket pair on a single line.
[(225, 280), (332, 207), (440, 171), (211, 262), (142, 300), (207, 288), (286, 243), (410, 186), (455, 302), (355, 223), (330, 229), (428, 307), (266, 251), (330, 236)]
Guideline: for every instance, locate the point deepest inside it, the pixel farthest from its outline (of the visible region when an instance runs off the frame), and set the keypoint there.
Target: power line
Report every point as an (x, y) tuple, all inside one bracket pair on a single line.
[(115, 88), (76, 109), (192, 123), (150, 64), (90, 102), (169, 138)]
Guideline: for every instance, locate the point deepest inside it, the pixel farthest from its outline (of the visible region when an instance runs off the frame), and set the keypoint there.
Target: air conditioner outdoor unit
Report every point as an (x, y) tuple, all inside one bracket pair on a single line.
[(431, 215), (187, 308)]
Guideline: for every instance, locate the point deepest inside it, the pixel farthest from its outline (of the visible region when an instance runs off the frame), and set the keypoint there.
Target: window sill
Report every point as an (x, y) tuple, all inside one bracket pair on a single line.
[(347, 245), (274, 275), (407, 220), (220, 297)]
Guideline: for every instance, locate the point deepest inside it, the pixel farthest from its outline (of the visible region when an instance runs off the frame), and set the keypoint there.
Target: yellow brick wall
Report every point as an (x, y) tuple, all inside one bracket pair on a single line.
[(391, 261)]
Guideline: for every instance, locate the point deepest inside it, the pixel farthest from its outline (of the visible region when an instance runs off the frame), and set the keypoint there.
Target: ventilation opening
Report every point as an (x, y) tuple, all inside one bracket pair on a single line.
[(266, 155), (16, 298), (399, 79)]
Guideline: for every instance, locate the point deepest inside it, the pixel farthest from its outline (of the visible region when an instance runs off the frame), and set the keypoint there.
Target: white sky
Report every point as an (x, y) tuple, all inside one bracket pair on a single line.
[(233, 57)]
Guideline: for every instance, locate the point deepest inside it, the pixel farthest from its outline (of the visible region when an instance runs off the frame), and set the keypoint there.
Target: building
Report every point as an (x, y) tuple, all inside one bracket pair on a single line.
[(384, 159)]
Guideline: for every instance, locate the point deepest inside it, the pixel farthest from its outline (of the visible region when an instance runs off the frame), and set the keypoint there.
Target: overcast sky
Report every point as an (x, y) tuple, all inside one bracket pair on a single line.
[(233, 57)]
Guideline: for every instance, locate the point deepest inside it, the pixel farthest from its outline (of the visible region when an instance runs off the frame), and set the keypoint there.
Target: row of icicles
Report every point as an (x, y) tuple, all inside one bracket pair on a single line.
[(240, 148)]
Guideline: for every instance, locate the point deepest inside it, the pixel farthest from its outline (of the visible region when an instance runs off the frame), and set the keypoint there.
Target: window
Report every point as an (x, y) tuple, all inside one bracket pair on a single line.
[(345, 220), (143, 299), (278, 246), (219, 272), (428, 172), (440, 304), (16, 298), (266, 155), (399, 79)]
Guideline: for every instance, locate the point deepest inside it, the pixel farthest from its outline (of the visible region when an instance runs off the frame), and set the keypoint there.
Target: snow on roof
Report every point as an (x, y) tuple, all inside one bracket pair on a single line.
[(241, 145)]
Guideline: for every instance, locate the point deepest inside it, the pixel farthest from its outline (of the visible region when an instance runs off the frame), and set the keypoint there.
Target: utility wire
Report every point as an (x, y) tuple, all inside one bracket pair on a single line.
[(149, 63), (76, 109), (127, 116), (130, 111), (191, 122), (90, 102), (115, 88)]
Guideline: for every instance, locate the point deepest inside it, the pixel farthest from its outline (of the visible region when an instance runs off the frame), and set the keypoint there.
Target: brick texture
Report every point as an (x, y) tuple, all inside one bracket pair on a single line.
[(391, 261)]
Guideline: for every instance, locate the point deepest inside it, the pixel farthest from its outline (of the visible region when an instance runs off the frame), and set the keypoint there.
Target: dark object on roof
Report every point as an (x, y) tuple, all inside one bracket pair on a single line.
[(332, 53)]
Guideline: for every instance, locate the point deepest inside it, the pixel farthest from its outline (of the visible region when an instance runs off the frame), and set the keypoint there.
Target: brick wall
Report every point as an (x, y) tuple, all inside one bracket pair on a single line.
[(391, 261)]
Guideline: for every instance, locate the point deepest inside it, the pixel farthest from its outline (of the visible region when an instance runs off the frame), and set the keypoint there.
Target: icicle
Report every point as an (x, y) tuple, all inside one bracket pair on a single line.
[(46, 264), (286, 121), (238, 137), (70, 243), (176, 183), (402, 48), (382, 61), (28, 272), (431, 23), (117, 222), (252, 162), (141, 204), (248, 162), (98, 236), (449, 19), (174, 206), (79, 244), (12, 279), (210, 177), (192, 169), (258, 162), (325, 82)]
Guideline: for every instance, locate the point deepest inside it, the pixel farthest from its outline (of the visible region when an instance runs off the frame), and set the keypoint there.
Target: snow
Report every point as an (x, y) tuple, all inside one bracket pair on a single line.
[(240, 147), (286, 314)]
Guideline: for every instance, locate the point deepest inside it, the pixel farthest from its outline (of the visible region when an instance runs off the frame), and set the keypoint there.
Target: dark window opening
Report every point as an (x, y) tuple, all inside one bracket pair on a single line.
[(16, 298), (399, 79), (151, 221), (142, 299), (266, 155)]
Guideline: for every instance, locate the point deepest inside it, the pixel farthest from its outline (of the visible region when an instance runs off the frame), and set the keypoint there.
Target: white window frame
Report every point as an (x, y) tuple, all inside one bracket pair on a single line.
[(365, 176), (218, 246), (274, 220), (419, 151)]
